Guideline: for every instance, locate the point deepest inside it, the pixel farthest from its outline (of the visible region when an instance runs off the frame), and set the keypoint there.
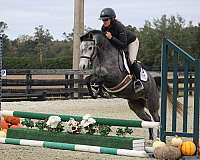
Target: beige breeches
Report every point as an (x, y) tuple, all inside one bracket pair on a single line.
[(133, 50)]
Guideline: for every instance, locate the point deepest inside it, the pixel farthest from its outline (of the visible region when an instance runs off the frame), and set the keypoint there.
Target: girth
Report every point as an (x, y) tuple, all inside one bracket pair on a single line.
[(121, 86)]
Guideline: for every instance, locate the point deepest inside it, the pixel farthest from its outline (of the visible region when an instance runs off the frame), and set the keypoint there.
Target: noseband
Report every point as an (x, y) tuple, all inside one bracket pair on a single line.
[(93, 55)]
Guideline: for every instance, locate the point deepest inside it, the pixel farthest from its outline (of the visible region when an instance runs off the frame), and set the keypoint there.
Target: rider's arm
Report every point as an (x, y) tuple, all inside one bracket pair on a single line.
[(120, 42)]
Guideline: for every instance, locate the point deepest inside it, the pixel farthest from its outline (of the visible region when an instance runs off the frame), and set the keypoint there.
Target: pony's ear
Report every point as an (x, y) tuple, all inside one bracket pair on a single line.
[(82, 37), (86, 37), (90, 36)]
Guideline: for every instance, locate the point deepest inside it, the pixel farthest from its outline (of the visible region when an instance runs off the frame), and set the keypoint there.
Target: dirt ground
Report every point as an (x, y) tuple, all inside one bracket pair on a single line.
[(112, 108)]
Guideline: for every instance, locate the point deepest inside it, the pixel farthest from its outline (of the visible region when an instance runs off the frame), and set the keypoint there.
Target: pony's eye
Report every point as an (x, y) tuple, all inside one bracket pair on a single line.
[(90, 48)]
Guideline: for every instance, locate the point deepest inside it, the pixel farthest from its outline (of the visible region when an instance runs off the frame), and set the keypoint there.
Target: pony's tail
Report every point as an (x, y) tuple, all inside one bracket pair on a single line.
[(179, 106)]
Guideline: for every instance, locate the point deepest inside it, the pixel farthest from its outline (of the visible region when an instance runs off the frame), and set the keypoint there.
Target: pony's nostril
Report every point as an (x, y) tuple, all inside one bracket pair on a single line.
[(83, 67)]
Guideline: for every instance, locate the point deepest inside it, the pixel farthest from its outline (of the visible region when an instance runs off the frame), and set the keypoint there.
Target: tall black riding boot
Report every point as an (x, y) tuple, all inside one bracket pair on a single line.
[(135, 70)]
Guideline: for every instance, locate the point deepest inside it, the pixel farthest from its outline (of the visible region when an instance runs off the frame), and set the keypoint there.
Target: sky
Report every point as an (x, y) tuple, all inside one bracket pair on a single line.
[(22, 16)]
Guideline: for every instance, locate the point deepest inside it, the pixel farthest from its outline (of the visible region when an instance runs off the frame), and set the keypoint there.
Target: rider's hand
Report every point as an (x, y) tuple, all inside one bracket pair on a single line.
[(108, 35)]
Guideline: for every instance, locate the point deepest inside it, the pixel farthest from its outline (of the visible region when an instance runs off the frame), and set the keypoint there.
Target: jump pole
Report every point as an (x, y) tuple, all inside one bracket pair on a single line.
[(75, 147), (101, 121)]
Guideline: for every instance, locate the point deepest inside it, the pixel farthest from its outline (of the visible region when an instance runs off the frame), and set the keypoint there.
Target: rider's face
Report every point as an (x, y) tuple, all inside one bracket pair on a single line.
[(106, 22)]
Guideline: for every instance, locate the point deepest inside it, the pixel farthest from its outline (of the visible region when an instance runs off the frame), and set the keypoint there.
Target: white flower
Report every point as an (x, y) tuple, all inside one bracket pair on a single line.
[(71, 126), (87, 120), (53, 121), (66, 127), (84, 131), (85, 117), (72, 122), (91, 120)]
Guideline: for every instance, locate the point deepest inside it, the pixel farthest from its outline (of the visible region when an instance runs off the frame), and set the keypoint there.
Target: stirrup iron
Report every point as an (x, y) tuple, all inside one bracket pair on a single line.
[(140, 88)]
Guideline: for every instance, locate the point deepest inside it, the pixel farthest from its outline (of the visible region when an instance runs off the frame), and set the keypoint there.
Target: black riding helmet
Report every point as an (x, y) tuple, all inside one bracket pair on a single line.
[(107, 13)]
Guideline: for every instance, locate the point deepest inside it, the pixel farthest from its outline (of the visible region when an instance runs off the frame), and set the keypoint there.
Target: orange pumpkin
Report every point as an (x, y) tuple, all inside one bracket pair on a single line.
[(188, 148), (12, 120), (3, 124)]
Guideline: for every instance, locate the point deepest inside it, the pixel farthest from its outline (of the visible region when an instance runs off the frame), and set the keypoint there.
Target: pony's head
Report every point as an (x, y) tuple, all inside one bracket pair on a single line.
[(90, 42), (87, 50)]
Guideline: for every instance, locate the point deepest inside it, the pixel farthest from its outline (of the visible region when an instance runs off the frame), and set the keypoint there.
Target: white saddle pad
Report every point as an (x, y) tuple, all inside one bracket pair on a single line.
[(125, 63), (143, 75)]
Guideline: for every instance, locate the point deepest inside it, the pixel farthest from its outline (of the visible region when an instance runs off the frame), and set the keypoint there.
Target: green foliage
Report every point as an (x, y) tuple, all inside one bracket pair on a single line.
[(31, 62), (42, 51), (59, 128), (90, 129), (123, 131), (37, 52), (41, 124), (28, 123), (174, 28), (104, 130)]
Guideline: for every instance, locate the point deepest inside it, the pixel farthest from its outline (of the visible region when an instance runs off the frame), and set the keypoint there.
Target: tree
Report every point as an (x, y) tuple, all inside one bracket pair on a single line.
[(6, 41), (3, 27), (21, 52), (195, 41), (152, 34), (42, 35), (43, 40)]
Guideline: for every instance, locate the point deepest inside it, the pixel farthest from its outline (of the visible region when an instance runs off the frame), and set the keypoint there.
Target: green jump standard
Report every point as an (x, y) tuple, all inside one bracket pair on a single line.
[(83, 139)]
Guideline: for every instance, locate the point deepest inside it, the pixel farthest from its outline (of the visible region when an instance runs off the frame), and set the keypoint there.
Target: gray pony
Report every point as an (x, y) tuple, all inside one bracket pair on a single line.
[(108, 67)]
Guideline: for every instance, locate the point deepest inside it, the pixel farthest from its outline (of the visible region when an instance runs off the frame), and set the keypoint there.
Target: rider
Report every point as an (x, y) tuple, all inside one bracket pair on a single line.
[(122, 39)]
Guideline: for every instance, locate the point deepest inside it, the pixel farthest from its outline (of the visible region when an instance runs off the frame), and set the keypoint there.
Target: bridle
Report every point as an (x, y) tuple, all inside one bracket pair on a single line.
[(93, 55)]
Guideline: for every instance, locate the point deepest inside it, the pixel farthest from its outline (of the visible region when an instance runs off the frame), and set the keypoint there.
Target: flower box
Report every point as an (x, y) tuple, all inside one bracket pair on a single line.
[(63, 137)]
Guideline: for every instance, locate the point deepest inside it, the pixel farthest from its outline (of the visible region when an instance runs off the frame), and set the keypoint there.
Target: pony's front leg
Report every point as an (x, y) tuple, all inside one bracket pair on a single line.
[(95, 87)]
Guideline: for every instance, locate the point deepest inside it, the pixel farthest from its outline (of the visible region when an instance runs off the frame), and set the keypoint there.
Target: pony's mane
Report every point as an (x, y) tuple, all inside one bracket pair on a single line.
[(88, 36), (95, 32), (99, 40)]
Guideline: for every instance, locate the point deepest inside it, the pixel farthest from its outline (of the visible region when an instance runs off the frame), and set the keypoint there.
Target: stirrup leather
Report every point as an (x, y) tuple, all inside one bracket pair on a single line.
[(137, 87)]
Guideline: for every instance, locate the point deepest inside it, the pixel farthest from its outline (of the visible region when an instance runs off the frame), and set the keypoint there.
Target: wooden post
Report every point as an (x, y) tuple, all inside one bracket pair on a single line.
[(190, 84), (78, 30), (66, 85), (82, 17), (28, 85)]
